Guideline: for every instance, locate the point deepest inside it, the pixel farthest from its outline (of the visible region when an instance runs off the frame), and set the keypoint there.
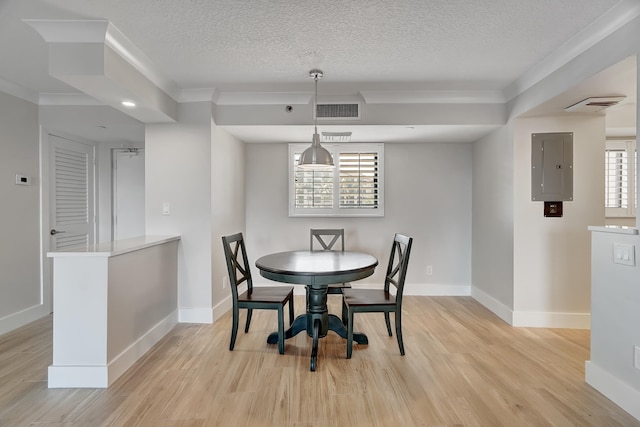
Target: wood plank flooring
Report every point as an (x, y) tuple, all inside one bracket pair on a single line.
[(463, 367)]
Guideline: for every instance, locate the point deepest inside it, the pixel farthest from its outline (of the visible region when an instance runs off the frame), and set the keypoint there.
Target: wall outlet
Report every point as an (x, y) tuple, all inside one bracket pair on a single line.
[(23, 179), (636, 356), (225, 282), (429, 270), (166, 208)]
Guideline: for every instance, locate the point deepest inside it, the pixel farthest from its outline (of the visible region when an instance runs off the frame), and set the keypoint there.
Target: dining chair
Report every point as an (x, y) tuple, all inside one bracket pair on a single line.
[(327, 239), (381, 300), (268, 298)]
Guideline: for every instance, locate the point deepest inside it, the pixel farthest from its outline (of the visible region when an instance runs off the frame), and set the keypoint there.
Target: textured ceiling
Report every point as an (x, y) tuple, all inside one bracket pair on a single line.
[(271, 45), (204, 43)]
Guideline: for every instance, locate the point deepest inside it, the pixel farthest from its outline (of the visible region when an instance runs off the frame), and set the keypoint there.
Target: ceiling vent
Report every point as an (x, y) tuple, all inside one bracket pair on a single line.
[(338, 111), (336, 136), (593, 105)]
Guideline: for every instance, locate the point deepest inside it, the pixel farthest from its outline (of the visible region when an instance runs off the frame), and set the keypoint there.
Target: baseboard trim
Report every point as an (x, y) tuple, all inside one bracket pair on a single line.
[(195, 315), (78, 376), (493, 305), (104, 376), (222, 307), (541, 319), (135, 351), (420, 289), (21, 318), (437, 290), (613, 389)]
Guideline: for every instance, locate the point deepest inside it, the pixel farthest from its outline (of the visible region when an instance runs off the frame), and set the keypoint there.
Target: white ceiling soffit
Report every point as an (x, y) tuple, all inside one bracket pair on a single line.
[(434, 96), (262, 98), (94, 57)]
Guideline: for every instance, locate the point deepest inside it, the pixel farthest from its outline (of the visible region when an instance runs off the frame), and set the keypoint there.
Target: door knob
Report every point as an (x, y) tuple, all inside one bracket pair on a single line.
[(53, 232)]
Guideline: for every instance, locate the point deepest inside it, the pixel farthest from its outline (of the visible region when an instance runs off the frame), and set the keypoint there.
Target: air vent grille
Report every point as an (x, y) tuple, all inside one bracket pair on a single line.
[(595, 104), (338, 111)]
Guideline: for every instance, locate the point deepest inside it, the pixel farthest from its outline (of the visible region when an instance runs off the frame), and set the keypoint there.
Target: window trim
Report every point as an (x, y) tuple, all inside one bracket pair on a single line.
[(630, 146), (336, 211)]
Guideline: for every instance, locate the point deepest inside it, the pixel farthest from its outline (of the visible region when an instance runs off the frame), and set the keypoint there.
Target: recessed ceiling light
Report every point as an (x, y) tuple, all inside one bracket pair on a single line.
[(129, 104)]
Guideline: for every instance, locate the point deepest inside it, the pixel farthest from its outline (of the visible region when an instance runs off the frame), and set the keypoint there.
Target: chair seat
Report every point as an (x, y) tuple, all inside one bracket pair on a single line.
[(356, 297), (271, 294)]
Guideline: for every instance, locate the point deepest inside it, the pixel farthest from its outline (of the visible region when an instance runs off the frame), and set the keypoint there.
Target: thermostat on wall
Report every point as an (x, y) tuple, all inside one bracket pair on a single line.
[(23, 179)]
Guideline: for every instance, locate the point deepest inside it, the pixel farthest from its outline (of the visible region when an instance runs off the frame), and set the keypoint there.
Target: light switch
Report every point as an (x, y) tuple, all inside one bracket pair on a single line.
[(166, 208), (624, 254)]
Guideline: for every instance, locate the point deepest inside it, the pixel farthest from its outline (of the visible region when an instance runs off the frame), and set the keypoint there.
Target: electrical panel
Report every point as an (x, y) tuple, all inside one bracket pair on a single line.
[(552, 166)]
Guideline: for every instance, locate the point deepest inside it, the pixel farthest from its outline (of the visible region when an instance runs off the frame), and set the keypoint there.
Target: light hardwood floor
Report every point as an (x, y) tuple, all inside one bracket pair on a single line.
[(463, 367)]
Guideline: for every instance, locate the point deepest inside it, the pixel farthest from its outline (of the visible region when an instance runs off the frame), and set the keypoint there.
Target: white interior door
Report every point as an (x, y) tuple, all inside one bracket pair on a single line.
[(72, 211), (128, 193)]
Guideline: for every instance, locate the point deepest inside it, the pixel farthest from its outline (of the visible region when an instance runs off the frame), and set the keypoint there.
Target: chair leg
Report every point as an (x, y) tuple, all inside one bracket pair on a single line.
[(399, 331), (234, 328), (249, 314), (349, 334), (291, 311), (388, 322), (344, 312), (281, 329)]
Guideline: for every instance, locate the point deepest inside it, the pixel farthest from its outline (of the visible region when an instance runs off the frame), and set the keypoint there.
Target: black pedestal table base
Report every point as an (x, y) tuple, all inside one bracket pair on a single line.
[(300, 324)]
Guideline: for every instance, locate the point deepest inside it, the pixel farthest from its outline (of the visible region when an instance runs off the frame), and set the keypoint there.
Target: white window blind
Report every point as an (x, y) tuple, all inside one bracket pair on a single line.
[(616, 177), (313, 188), (358, 180), (353, 188), (621, 169)]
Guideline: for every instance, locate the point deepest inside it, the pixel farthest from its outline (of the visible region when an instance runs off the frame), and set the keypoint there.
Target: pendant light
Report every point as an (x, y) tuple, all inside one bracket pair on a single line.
[(316, 156)]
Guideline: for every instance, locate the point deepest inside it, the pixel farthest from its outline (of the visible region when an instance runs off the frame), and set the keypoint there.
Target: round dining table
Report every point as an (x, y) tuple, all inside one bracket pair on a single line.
[(317, 270)]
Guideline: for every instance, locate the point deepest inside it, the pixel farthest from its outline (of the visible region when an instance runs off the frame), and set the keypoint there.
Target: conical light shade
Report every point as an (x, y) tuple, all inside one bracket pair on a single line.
[(316, 156)]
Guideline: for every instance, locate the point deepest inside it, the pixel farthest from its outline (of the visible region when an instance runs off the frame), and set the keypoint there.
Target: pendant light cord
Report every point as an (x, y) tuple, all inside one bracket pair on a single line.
[(315, 106)]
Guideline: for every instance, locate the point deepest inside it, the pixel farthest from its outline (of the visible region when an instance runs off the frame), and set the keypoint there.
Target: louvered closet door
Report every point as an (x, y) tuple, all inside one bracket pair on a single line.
[(72, 196)]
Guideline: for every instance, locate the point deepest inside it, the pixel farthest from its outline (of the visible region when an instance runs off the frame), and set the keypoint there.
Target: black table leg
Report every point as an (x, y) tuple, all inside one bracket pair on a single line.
[(336, 325), (314, 348), (298, 325)]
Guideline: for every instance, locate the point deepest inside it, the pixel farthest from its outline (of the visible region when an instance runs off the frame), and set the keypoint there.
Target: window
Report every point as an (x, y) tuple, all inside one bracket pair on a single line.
[(353, 188), (621, 172)]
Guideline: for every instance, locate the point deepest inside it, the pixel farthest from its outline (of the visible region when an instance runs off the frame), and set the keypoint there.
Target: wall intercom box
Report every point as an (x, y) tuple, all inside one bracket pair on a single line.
[(552, 166)]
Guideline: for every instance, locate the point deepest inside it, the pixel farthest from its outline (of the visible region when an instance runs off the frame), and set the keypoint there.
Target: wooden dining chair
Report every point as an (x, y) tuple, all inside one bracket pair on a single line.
[(381, 300), (327, 239), (269, 298)]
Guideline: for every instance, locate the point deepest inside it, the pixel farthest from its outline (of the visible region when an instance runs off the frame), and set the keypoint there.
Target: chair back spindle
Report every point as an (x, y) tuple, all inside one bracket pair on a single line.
[(321, 236)]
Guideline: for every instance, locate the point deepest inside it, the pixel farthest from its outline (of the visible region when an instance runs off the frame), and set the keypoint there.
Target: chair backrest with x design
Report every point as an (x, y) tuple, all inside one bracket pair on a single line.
[(237, 263), (398, 263), (326, 238)]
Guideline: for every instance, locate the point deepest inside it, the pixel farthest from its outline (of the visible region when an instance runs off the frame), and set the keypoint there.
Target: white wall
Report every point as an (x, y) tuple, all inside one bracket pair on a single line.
[(178, 172), (427, 196), (492, 242), (552, 278), (20, 288), (615, 318), (227, 207)]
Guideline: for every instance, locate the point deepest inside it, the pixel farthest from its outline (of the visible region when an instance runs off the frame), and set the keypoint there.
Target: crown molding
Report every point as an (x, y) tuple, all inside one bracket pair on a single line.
[(117, 41), (18, 91), (67, 99), (196, 95), (262, 98), (434, 97), (605, 25)]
